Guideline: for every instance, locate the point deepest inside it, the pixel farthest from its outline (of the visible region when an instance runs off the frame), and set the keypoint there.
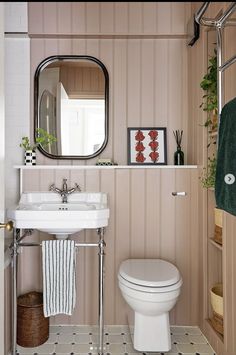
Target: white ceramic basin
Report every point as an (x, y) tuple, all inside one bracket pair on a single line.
[(45, 211)]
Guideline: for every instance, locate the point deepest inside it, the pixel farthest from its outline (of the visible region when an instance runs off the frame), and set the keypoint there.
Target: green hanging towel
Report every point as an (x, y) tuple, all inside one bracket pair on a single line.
[(225, 185)]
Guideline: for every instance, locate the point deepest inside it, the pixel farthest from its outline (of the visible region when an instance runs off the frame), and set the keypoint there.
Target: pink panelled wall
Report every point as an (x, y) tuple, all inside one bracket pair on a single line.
[(146, 221), (143, 47), (148, 86), (108, 18)]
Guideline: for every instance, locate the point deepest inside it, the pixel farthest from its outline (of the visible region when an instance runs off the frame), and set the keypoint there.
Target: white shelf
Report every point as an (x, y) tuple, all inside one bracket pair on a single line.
[(100, 167)]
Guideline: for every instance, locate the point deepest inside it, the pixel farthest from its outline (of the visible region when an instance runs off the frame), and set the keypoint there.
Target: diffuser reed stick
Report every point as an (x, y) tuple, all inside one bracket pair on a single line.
[(179, 154)]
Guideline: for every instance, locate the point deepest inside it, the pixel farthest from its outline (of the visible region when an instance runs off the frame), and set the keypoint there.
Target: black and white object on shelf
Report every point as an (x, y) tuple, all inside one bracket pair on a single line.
[(30, 157)]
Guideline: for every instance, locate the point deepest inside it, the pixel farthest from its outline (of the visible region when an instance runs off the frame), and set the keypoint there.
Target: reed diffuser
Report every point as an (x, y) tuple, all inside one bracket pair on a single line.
[(179, 154)]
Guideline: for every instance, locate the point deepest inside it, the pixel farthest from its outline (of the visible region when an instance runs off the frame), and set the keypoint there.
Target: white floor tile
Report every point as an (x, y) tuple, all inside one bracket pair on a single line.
[(66, 338), (197, 339), (83, 340), (63, 349), (203, 348), (177, 330), (45, 349), (181, 339), (186, 348)]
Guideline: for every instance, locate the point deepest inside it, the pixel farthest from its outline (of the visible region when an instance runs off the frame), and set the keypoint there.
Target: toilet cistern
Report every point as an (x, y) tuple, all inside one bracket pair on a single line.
[(64, 192)]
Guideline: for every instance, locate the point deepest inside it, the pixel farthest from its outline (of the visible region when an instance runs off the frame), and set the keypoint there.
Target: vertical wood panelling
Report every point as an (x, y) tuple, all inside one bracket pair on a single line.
[(149, 17), (108, 56), (64, 17), (109, 18), (50, 22), (167, 236), (183, 240), (147, 83), (137, 215), (119, 111), (178, 19), (135, 17), (168, 222), (35, 11), (134, 84), (122, 235), (164, 17), (195, 232), (175, 92), (92, 17), (161, 68), (78, 18), (121, 17), (152, 213)]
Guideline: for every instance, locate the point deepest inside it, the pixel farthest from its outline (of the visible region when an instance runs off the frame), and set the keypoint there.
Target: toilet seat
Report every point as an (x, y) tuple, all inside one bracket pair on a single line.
[(149, 275)]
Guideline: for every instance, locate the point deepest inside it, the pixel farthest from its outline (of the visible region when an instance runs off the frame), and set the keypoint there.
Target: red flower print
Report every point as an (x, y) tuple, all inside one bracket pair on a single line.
[(153, 145), (139, 136), (140, 158), (153, 134), (154, 156), (139, 147)]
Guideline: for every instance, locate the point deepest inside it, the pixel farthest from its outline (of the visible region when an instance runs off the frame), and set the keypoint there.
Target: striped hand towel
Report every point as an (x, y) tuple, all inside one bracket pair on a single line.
[(59, 261)]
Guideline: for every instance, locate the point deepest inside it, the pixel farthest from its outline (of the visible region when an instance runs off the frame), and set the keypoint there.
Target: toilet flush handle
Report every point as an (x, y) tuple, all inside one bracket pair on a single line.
[(179, 193)]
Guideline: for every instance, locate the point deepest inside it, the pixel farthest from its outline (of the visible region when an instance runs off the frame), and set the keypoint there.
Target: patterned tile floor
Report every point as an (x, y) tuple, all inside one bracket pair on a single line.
[(73, 340)]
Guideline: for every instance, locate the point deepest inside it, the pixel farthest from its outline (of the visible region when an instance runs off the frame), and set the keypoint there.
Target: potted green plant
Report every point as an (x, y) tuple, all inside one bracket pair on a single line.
[(209, 174), (209, 85), (43, 138), (210, 105)]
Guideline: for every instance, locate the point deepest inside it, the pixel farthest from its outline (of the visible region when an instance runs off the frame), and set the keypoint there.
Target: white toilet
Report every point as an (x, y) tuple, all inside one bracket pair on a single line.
[(151, 288)]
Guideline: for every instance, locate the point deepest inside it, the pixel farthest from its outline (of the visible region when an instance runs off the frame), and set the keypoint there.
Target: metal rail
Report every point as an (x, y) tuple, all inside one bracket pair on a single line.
[(14, 248), (219, 24)]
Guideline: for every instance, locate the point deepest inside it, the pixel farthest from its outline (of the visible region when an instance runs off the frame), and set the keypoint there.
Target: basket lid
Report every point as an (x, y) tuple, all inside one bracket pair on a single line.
[(30, 299)]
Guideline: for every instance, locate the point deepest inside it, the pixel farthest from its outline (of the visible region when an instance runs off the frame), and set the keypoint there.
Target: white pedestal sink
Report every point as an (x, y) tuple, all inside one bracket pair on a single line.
[(45, 212)]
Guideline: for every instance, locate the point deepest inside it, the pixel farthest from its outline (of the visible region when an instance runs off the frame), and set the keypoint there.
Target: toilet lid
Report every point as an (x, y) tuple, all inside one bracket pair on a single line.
[(149, 272)]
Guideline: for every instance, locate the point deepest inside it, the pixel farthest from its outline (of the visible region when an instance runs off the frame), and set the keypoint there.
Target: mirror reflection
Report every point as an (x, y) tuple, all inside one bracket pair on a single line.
[(72, 103)]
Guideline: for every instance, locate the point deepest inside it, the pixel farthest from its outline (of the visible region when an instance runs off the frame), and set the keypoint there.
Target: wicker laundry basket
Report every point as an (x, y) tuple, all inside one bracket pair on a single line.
[(217, 306), (32, 326)]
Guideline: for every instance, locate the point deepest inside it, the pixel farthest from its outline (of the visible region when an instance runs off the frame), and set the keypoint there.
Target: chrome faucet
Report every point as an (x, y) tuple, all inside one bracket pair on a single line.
[(64, 192)]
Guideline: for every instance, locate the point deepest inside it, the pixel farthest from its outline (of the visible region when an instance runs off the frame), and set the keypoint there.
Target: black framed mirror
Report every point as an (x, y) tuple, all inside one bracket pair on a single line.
[(71, 102)]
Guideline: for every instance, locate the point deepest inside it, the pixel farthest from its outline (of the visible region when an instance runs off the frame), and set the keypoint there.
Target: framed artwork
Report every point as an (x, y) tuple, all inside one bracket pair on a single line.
[(147, 146)]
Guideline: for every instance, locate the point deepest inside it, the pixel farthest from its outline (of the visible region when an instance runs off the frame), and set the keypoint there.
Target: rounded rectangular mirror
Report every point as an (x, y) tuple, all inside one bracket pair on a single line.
[(71, 103)]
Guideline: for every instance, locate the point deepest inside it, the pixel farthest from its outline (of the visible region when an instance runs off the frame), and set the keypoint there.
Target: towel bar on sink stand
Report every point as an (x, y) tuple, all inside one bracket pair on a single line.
[(14, 248)]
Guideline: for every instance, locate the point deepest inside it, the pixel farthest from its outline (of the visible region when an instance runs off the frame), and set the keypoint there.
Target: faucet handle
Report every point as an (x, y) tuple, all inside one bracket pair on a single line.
[(77, 187), (52, 187)]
